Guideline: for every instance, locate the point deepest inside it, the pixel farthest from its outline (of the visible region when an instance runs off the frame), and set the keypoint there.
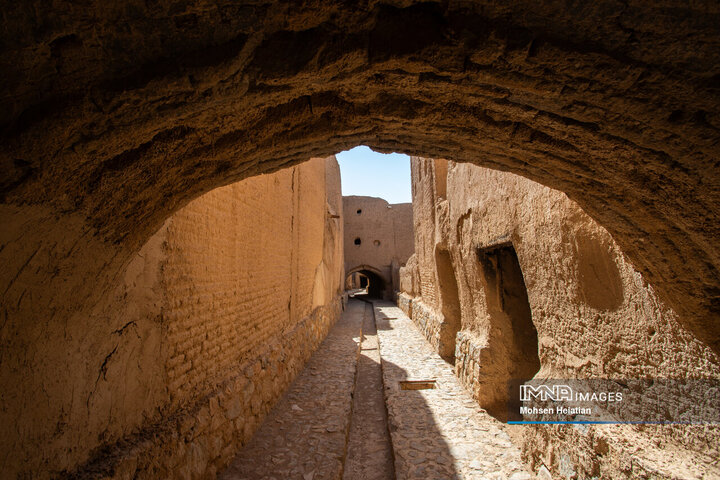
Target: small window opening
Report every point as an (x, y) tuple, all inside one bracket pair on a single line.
[(359, 211), (358, 241), (441, 174), (376, 243)]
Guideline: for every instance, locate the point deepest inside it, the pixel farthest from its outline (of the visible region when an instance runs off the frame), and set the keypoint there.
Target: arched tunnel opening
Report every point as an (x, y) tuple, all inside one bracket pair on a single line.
[(172, 241), (373, 284), (356, 281), (204, 244)]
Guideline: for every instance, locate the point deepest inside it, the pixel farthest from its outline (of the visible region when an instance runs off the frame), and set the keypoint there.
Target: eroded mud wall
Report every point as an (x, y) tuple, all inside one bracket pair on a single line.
[(114, 116), (594, 313), (170, 371)]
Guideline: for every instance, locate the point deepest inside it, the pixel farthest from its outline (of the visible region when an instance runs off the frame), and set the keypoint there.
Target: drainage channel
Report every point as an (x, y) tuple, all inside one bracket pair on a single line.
[(369, 452)]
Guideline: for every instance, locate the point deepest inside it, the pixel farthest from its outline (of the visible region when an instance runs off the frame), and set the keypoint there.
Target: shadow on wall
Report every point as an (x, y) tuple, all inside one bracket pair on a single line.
[(450, 304), (514, 340), (599, 282), (355, 281)]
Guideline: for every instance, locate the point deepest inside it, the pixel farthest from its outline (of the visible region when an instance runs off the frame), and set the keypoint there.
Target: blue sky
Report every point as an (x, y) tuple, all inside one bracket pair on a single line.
[(364, 172)]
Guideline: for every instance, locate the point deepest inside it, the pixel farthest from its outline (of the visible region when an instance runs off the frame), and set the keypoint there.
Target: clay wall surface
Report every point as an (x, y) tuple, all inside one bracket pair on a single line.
[(175, 367), (386, 237), (115, 116), (595, 315)]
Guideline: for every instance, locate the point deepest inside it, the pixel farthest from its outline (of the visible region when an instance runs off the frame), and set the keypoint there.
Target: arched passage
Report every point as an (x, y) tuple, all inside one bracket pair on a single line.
[(113, 118), (107, 132), (356, 280), (372, 280)]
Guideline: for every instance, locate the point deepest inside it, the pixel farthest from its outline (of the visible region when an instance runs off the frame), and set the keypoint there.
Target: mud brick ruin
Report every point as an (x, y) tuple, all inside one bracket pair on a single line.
[(175, 247)]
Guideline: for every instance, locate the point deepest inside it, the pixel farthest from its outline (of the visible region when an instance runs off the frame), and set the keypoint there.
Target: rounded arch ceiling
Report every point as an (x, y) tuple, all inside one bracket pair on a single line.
[(120, 114)]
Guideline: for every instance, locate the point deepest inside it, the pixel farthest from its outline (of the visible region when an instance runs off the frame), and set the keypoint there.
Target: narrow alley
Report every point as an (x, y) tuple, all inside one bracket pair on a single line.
[(309, 240), (332, 422)]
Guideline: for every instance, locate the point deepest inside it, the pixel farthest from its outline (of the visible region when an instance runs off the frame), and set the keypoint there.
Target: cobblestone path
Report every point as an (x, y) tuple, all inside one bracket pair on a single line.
[(437, 433), (332, 423), (305, 435)]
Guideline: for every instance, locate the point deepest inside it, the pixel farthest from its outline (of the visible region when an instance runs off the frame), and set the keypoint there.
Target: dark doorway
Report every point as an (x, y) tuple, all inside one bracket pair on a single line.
[(371, 281), (450, 304), (514, 338)]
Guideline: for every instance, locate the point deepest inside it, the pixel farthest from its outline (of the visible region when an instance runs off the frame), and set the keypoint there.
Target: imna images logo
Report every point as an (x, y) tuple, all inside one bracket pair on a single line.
[(560, 392), (544, 393)]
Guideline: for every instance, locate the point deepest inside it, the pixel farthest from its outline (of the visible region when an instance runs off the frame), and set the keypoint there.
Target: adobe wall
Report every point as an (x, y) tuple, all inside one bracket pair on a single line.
[(114, 116), (595, 316), (175, 367), (386, 237)]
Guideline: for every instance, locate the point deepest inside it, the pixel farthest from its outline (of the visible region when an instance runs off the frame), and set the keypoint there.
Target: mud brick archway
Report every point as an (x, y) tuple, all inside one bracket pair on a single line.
[(377, 286), (113, 117)]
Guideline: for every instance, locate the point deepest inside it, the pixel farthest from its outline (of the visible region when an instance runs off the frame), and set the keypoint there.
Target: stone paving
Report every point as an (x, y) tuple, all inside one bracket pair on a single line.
[(318, 431), (438, 433), (304, 436)]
